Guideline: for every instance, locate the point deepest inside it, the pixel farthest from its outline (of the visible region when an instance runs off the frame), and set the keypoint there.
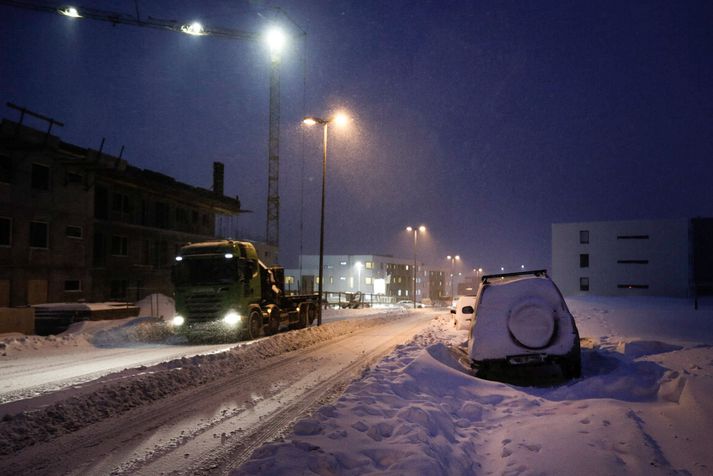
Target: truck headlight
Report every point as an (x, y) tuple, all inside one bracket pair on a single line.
[(178, 320), (231, 318)]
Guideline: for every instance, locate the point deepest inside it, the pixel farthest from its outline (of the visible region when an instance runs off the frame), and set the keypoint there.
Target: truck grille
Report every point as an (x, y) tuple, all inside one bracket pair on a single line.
[(204, 306)]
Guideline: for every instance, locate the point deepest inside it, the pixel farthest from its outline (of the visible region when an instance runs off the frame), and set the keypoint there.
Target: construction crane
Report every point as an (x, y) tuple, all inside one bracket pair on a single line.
[(275, 39)]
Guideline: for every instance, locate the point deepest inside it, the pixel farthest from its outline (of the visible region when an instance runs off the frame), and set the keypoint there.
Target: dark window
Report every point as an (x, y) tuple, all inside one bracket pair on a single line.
[(119, 245), (74, 177), (584, 284), (584, 236), (632, 237), (99, 249), (181, 216), (194, 216), (584, 260), (120, 203), (40, 177), (633, 261), (101, 203), (5, 169), (163, 253), (205, 220), (161, 215), (146, 252), (72, 285), (144, 212), (5, 231), (39, 234), (73, 231), (118, 289), (632, 286)]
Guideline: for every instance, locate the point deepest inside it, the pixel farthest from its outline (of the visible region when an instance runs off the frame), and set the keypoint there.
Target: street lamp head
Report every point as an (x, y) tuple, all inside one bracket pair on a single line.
[(275, 39), (422, 228), (195, 29), (69, 12), (409, 229), (340, 119), (311, 120), (359, 265), (457, 257)]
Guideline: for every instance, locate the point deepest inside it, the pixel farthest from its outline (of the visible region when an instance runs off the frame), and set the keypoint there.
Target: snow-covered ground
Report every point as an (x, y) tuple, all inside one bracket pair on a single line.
[(644, 405)]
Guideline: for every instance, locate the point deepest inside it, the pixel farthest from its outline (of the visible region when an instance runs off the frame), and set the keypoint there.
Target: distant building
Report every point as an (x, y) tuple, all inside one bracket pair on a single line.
[(623, 258), (77, 224), (369, 274)]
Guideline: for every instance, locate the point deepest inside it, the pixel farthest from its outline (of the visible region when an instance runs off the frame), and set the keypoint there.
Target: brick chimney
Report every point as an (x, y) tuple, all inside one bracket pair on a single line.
[(218, 175)]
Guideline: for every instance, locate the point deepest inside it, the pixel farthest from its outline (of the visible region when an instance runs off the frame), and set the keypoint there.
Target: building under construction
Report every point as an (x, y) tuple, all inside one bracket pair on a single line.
[(77, 224)]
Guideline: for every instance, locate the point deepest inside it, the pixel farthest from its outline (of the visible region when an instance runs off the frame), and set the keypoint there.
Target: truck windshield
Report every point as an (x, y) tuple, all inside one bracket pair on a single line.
[(205, 270)]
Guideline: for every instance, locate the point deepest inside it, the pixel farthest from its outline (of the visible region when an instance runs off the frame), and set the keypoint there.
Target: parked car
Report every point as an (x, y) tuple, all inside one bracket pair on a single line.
[(523, 329), (406, 303), (464, 312)]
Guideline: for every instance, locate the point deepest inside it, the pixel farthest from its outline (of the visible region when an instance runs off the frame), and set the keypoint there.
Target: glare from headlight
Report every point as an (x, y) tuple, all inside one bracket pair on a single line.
[(231, 318), (178, 320)]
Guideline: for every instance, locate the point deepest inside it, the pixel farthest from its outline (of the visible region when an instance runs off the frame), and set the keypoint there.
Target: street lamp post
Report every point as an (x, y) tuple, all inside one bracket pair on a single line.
[(453, 264), (310, 121), (415, 230)]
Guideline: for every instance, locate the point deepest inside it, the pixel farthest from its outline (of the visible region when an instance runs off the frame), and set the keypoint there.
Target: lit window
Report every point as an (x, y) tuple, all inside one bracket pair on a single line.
[(367, 280), (369, 265), (343, 263)]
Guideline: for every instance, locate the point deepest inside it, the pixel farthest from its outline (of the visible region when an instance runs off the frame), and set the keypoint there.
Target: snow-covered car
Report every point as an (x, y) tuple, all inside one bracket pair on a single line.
[(464, 312), (523, 329), (408, 303)]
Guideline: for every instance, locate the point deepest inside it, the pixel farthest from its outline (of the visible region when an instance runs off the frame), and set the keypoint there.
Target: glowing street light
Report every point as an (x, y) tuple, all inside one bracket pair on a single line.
[(453, 260), (195, 29), (339, 119), (415, 231), (276, 40), (71, 12)]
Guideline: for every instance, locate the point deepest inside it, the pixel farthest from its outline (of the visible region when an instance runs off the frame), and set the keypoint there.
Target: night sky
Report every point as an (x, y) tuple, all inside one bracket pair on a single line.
[(485, 121)]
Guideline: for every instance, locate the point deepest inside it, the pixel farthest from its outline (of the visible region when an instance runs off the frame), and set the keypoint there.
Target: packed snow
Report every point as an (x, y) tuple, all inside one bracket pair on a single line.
[(642, 406)]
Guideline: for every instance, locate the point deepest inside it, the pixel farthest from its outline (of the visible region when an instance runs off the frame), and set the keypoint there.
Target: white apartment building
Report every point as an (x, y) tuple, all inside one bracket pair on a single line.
[(643, 257)]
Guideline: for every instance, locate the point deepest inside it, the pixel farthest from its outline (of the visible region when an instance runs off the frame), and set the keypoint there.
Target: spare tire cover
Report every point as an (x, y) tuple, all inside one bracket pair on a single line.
[(531, 323)]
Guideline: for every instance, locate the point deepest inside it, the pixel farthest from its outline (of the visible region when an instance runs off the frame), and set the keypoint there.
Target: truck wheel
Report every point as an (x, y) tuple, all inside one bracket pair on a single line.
[(254, 324), (303, 317), (312, 314), (273, 321)]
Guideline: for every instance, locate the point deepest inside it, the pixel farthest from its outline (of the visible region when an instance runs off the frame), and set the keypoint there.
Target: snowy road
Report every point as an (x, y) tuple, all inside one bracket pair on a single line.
[(251, 395), (22, 378)]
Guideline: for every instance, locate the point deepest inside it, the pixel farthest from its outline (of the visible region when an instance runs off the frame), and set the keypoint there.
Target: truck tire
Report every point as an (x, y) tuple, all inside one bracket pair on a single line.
[(304, 315), (273, 321), (312, 314), (254, 324)]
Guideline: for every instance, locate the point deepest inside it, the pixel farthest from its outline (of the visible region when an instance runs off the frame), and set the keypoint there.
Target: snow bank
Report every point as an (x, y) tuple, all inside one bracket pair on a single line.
[(641, 407)]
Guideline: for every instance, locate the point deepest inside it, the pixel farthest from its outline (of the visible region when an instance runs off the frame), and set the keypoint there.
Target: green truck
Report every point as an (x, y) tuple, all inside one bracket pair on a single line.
[(222, 289)]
